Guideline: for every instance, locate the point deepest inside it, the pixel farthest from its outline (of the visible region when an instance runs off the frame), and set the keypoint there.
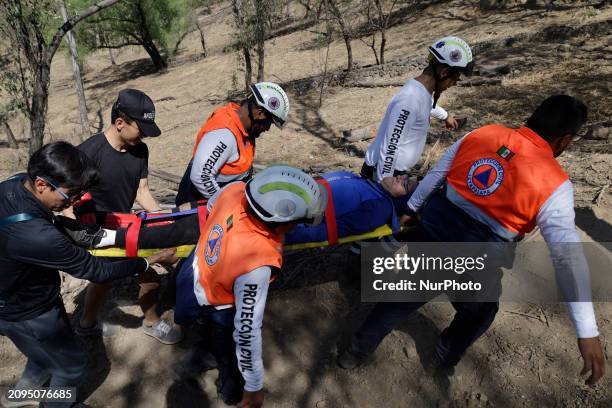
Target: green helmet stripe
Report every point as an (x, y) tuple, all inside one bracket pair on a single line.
[(462, 46), (284, 186)]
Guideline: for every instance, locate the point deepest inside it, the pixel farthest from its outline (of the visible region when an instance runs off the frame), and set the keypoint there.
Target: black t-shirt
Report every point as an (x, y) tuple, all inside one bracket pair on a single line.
[(120, 173)]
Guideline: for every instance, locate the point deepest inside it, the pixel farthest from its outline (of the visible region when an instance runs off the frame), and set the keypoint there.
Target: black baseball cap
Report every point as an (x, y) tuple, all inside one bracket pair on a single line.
[(139, 107)]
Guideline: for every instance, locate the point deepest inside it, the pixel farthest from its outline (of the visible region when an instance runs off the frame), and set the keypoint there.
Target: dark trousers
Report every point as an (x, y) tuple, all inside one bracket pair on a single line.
[(186, 190), (470, 322), (54, 353), (441, 221), (221, 344), (218, 329)]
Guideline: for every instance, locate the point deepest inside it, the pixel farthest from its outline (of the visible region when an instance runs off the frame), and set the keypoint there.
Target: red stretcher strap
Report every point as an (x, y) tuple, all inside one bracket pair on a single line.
[(131, 238), (202, 216), (84, 198), (330, 214)]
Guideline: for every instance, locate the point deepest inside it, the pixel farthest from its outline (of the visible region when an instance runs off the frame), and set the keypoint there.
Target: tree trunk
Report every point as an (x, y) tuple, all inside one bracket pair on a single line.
[(260, 62), (78, 80), (38, 113), (346, 35), (158, 60), (12, 142), (383, 43), (202, 38), (40, 65), (248, 67), (373, 47), (260, 35), (349, 52), (110, 55), (101, 42)]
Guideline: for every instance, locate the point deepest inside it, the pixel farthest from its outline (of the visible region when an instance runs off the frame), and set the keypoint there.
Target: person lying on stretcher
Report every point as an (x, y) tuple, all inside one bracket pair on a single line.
[(359, 205)]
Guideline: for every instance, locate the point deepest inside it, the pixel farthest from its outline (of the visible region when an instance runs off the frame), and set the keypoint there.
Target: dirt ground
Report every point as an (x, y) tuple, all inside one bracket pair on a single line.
[(529, 356)]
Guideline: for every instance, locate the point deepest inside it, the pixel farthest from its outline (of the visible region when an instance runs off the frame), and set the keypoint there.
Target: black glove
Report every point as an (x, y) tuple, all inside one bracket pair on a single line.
[(86, 236)]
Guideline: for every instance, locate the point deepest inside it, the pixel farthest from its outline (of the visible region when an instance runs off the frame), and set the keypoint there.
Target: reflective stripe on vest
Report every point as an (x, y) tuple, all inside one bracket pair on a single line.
[(233, 243), (502, 177), (226, 117)]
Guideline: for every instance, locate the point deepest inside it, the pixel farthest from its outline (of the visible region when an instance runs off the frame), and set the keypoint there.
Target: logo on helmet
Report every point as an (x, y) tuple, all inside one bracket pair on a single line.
[(440, 44), (274, 103), (455, 55)]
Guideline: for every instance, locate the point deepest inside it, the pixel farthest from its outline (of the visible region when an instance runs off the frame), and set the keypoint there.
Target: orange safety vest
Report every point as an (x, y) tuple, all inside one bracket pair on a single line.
[(227, 118), (232, 243), (502, 177)]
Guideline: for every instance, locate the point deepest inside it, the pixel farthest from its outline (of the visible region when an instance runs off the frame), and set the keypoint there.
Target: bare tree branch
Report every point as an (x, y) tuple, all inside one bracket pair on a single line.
[(57, 38), (117, 46), (22, 84)]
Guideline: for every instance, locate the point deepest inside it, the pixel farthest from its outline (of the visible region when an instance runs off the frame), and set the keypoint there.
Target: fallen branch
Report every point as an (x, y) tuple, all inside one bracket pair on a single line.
[(524, 314), (373, 84), (12, 141), (430, 155), (164, 175), (480, 81), (544, 318), (600, 194), (355, 135)]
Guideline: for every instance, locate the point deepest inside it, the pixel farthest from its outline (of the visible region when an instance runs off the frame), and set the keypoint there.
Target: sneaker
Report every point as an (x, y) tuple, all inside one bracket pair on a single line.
[(164, 332), (349, 360), (195, 362), (230, 392), (94, 330), (6, 403), (436, 366)]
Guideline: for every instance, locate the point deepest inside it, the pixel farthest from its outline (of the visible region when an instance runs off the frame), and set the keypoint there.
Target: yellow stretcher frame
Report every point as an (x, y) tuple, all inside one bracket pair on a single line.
[(183, 251)]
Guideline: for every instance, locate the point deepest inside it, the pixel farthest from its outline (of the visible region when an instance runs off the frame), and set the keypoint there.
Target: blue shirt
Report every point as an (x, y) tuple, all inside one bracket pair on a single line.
[(361, 206)]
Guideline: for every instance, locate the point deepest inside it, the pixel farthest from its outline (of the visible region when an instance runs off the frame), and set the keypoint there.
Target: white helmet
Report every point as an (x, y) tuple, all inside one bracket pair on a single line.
[(283, 194), (454, 52), (273, 99)]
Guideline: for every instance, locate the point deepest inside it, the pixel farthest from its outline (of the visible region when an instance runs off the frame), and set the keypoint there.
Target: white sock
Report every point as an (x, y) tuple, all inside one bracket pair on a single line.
[(108, 239)]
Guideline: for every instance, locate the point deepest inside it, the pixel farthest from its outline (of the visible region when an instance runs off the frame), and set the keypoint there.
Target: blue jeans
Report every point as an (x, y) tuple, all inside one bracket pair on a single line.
[(54, 353)]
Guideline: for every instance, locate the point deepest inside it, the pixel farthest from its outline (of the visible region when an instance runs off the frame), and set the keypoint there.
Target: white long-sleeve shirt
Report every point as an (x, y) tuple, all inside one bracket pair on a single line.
[(556, 221), (250, 293), (214, 150), (402, 133)]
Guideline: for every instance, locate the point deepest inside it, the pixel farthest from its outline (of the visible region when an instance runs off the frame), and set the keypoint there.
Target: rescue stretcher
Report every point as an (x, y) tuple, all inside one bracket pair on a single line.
[(135, 222), (183, 251)]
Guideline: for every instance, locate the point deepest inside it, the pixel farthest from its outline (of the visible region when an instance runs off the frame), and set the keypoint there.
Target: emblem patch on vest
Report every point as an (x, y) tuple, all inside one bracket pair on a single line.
[(485, 176), (505, 153), (213, 245)]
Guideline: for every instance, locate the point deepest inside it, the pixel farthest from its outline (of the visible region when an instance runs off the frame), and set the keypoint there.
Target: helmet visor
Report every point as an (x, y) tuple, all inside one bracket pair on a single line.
[(278, 122)]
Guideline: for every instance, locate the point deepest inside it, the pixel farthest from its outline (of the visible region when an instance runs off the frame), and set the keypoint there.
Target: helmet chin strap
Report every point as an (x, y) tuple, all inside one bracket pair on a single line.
[(252, 133), (437, 81), (254, 121)]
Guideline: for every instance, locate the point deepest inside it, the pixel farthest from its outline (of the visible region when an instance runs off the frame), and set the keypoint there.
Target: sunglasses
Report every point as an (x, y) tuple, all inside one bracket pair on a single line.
[(71, 197)]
